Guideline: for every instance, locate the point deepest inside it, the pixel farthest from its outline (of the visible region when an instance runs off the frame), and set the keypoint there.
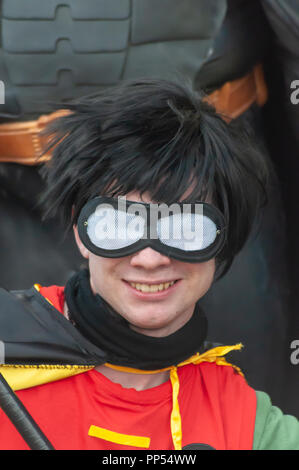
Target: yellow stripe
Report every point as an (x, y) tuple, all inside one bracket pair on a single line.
[(175, 420), (21, 377), (117, 438)]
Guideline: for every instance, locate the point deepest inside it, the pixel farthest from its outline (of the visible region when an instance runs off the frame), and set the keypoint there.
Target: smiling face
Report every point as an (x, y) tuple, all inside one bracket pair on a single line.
[(154, 293)]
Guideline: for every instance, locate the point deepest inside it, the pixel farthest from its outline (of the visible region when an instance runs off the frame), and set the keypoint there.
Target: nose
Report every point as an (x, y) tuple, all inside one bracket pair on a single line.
[(149, 259)]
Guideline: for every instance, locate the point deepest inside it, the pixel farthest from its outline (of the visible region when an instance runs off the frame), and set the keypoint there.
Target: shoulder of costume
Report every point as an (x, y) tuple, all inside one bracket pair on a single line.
[(214, 353), (38, 344)]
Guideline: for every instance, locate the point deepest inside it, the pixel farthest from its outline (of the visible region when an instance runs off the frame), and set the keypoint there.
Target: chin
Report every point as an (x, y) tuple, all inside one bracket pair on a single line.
[(148, 321), (149, 324), (154, 326)]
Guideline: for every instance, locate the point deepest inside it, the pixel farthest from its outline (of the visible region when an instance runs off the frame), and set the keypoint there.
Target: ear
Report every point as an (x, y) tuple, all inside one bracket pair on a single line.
[(82, 248)]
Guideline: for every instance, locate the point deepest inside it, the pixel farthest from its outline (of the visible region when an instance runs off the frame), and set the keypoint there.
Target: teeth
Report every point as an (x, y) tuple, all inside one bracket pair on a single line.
[(151, 288)]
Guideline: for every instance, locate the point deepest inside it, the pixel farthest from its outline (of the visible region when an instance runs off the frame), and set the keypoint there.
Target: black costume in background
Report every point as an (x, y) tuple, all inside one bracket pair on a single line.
[(58, 52)]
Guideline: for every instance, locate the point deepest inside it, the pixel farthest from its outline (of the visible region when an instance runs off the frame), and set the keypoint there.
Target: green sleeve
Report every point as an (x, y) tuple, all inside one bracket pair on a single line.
[(274, 430)]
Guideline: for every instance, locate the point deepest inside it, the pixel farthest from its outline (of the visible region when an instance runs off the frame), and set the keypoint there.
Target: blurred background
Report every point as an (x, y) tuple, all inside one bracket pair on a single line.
[(245, 55)]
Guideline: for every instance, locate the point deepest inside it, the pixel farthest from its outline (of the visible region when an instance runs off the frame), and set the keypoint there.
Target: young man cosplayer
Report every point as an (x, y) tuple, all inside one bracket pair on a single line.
[(161, 194)]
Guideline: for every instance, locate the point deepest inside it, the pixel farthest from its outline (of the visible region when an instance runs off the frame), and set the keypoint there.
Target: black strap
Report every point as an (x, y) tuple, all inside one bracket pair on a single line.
[(21, 419)]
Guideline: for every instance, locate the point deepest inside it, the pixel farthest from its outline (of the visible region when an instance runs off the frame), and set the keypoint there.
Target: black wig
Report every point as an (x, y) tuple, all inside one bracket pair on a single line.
[(160, 137)]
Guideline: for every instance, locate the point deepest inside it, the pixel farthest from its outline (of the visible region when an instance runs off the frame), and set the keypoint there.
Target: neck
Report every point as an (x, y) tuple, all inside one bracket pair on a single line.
[(131, 380)]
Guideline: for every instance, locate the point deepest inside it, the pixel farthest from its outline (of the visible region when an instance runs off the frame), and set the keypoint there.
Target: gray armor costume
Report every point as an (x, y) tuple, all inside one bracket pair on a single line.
[(55, 51)]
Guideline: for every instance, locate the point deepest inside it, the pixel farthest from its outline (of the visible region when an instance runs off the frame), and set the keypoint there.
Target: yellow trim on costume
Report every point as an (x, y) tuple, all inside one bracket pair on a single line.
[(175, 419), (117, 438), (215, 355), (20, 377)]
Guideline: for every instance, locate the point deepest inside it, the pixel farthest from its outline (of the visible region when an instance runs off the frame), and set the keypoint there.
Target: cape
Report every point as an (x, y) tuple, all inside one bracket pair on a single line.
[(35, 336), (45, 336)]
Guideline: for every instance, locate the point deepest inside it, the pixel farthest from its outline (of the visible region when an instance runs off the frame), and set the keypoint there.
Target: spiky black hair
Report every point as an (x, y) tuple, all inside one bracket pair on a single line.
[(159, 137)]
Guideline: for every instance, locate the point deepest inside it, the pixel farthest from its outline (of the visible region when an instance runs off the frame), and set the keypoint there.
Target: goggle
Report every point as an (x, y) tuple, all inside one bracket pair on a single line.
[(115, 227)]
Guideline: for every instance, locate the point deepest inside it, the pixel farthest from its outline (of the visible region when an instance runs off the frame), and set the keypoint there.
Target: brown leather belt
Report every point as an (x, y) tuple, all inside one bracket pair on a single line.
[(21, 142)]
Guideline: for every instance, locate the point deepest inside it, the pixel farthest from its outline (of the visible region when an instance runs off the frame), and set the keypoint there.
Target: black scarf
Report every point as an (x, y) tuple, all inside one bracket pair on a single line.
[(100, 324)]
